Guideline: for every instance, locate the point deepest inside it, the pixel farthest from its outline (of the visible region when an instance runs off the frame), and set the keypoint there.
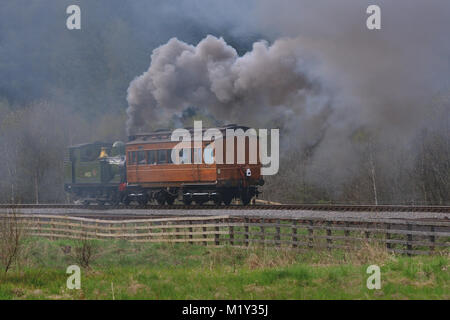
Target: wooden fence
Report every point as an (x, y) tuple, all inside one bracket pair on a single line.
[(401, 236)]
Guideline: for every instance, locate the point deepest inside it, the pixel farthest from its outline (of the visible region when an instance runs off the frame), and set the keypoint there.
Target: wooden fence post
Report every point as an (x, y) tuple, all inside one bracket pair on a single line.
[(409, 246), (347, 233), (39, 225), (294, 233), (216, 235), (262, 228), (83, 231), (190, 232), (136, 231), (177, 231), (367, 233), (69, 227), (150, 230), (204, 234), (311, 233), (246, 235), (52, 226), (432, 239), (232, 234), (388, 236), (278, 235), (329, 240)]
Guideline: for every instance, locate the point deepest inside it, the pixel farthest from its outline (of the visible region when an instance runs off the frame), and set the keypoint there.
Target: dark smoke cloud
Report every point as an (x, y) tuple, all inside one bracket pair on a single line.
[(384, 80), (322, 76), (270, 81)]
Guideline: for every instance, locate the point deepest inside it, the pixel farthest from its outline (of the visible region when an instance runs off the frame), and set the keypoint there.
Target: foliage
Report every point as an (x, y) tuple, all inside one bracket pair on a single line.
[(85, 251)]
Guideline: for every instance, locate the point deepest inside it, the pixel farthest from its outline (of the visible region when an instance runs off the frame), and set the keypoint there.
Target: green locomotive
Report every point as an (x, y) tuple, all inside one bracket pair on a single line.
[(93, 172)]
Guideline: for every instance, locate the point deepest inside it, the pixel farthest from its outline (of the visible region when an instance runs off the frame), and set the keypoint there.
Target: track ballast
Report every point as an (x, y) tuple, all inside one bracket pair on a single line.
[(309, 207)]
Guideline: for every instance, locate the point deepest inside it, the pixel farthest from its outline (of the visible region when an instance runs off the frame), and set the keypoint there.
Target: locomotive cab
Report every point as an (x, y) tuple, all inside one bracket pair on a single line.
[(91, 175)]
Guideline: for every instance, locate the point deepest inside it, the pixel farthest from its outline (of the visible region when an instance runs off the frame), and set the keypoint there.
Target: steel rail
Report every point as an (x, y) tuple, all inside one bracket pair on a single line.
[(309, 207)]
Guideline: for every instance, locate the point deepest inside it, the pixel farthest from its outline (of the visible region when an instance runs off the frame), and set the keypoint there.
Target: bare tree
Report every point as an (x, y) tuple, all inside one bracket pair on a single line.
[(11, 239), (85, 251)]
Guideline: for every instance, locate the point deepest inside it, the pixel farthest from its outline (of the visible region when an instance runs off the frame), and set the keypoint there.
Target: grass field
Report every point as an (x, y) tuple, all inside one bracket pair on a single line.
[(123, 270)]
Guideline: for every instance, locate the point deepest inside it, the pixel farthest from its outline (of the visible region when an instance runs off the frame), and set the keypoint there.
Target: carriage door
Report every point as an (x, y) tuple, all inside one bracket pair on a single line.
[(141, 160), (197, 160)]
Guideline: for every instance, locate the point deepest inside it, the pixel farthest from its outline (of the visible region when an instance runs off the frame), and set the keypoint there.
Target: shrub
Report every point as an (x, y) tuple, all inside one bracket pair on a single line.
[(85, 251), (11, 240)]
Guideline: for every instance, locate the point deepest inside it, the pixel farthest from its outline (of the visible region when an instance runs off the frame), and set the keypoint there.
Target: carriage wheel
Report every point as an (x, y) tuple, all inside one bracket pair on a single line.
[(245, 197), (218, 200), (170, 200), (245, 200), (227, 199), (161, 198)]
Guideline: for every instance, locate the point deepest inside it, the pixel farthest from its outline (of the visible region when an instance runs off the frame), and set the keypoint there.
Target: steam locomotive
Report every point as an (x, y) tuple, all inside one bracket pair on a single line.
[(142, 171)]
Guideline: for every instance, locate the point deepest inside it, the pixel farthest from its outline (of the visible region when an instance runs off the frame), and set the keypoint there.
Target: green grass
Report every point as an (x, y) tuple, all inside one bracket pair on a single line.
[(183, 271)]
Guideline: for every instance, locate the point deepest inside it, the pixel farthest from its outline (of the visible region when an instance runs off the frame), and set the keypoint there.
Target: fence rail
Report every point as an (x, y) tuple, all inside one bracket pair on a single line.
[(398, 235)]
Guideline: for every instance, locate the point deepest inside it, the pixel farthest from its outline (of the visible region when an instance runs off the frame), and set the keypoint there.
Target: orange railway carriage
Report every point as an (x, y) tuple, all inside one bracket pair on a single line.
[(152, 175)]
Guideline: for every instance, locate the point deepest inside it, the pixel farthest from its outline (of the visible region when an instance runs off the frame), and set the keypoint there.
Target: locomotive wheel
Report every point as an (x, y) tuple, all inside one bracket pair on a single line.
[(126, 201), (218, 201), (115, 201), (115, 198), (187, 201), (143, 200)]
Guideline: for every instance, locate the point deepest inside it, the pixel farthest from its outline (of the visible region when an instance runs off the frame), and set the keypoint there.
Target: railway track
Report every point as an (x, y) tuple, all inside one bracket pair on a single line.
[(308, 207)]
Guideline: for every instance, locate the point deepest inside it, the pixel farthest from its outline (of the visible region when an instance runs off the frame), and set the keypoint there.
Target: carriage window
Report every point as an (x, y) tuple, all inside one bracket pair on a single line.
[(197, 155), (141, 157), (185, 156), (162, 156), (132, 157), (169, 156), (209, 155), (151, 157)]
